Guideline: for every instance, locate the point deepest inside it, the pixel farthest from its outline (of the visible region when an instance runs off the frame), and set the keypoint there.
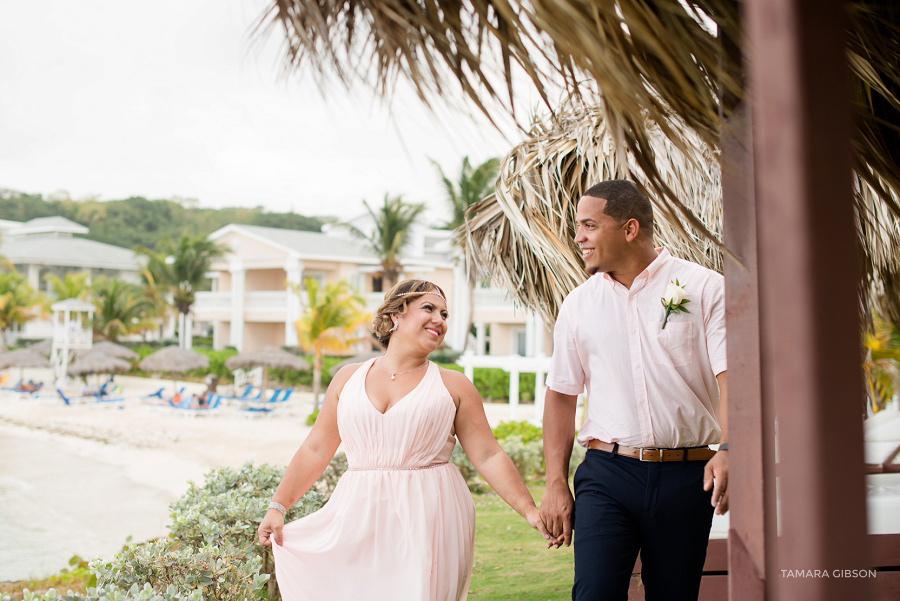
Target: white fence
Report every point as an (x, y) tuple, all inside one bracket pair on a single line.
[(514, 365)]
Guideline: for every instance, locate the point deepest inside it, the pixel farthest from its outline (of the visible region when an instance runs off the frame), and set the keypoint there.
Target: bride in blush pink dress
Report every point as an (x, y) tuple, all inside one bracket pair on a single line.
[(400, 524)]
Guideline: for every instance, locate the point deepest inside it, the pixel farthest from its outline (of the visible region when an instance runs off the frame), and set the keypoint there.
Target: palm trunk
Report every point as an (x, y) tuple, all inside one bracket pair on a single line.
[(3, 345)]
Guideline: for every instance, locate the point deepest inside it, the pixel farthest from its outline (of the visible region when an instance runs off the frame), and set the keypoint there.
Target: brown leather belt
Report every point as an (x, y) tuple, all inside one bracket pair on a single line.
[(645, 454)]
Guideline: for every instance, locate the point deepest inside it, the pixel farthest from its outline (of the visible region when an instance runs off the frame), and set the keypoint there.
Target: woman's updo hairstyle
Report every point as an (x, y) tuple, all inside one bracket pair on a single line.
[(396, 302)]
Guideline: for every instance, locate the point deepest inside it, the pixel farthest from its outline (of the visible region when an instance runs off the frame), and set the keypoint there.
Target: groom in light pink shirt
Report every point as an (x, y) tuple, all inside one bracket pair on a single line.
[(645, 336)]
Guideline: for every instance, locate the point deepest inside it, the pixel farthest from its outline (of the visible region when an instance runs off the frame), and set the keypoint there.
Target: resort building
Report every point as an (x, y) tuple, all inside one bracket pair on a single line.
[(52, 246), (252, 302)]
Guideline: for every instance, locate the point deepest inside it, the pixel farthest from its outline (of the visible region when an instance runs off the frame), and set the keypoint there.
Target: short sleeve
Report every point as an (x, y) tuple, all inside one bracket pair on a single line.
[(566, 374), (714, 322)]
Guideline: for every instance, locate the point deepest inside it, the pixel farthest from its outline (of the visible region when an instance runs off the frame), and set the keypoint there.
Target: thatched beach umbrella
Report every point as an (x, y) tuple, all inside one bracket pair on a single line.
[(114, 350), (44, 347), (96, 361), (266, 357), (22, 358), (174, 360)]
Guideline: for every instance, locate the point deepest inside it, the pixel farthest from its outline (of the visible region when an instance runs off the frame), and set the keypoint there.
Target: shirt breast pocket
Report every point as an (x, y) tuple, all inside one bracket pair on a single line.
[(675, 343)]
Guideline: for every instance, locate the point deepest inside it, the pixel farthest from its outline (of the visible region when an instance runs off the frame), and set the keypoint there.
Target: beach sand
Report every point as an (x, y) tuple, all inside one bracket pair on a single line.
[(80, 479)]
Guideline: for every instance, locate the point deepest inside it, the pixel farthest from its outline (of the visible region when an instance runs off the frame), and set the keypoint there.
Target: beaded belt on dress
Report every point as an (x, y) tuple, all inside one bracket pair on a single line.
[(395, 469)]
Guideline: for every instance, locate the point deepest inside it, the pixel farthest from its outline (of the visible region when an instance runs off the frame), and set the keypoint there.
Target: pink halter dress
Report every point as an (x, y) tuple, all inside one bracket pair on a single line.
[(400, 525)]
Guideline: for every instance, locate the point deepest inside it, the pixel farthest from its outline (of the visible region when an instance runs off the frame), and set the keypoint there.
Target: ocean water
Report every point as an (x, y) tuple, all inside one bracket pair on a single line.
[(59, 498)]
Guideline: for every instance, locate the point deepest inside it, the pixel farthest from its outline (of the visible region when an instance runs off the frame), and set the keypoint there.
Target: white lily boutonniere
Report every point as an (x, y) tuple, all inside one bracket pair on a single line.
[(674, 301)]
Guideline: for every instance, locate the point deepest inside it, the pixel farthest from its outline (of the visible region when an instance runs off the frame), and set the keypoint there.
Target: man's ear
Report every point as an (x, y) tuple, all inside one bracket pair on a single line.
[(632, 229)]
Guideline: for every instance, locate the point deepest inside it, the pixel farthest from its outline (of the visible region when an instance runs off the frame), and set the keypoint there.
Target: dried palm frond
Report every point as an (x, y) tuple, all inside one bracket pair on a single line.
[(650, 58), (523, 233), (669, 63)]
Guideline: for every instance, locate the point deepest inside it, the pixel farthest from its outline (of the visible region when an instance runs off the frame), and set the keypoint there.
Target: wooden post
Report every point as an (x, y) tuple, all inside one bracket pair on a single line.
[(750, 428), (808, 282)]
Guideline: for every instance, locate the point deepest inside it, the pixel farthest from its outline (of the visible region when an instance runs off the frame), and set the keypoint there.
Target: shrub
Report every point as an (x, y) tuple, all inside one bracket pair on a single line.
[(311, 418), (528, 431), (226, 509), (469, 474), (218, 573), (336, 468), (113, 593), (492, 383), (528, 456)]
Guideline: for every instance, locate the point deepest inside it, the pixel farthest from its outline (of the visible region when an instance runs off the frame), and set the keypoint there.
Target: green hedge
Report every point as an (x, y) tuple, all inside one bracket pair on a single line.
[(492, 383)]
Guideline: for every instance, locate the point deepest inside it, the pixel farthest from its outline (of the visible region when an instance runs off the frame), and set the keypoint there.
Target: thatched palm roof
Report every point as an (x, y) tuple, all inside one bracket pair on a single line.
[(174, 359), (96, 361), (651, 59), (43, 347), (22, 357), (267, 356), (115, 350), (522, 234)]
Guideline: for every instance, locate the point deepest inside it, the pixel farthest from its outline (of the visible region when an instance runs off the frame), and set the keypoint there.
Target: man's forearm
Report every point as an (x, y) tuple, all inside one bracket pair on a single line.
[(559, 434)]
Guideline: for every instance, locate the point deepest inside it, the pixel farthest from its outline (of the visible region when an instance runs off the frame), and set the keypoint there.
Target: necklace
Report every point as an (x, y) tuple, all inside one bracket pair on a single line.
[(399, 373)]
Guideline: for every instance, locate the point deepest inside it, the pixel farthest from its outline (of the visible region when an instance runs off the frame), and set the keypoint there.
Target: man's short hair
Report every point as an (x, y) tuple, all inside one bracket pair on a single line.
[(625, 201)]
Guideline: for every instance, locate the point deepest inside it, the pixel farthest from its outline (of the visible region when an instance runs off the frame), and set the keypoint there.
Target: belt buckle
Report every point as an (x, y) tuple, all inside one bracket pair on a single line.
[(660, 451)]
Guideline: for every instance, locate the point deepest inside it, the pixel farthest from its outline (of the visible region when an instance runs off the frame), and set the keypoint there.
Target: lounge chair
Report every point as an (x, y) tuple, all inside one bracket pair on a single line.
[(62, 395), (244, 394), (157, 394), (14, 386)]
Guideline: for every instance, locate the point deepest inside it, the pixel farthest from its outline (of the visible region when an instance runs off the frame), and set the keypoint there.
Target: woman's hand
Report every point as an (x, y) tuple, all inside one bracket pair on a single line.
[(271, 526), (534, 520)]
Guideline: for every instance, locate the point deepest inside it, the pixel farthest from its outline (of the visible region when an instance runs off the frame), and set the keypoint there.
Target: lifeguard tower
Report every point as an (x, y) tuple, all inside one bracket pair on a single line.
[(71, 331)]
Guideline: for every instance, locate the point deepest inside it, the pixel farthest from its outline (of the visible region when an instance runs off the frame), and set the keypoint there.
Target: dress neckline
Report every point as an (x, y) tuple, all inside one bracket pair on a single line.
[(391, 408)]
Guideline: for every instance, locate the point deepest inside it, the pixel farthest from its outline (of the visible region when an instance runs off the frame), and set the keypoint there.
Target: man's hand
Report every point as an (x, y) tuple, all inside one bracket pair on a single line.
[(556, 512), (715, 476)]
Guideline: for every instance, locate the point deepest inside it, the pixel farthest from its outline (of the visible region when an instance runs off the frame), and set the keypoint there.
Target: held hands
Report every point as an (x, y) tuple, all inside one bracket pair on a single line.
[(270, 527), (534, 520), (556, 512), (715, 476)]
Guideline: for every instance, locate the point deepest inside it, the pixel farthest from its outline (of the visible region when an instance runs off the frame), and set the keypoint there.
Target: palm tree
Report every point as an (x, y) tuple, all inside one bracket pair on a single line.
[(881, 364), (332, 313), (121, 309), (73, 285), (392, 225), (155, 291), (472, 185), (181, 268), (19, 303)]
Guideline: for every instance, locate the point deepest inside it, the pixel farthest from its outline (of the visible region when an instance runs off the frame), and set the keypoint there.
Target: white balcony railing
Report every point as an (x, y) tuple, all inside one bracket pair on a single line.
[(205, 302), (268, 301), (492, 298)]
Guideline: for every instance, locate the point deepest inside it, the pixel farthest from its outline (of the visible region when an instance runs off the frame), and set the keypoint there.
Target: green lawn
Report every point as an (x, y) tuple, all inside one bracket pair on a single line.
[(511, 560)]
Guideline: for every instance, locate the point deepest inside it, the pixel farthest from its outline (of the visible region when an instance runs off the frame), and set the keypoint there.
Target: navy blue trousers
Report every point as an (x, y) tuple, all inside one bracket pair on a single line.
[(624, 506)]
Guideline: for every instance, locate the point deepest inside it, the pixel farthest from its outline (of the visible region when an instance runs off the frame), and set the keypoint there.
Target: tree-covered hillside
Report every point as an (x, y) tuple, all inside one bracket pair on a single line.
[(138, 221)]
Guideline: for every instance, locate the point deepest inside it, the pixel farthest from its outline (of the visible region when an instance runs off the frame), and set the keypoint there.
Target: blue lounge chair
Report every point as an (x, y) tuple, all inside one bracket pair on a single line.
[(287, 394), (157, 394), (14, 386), (244, 394), (65, 399)]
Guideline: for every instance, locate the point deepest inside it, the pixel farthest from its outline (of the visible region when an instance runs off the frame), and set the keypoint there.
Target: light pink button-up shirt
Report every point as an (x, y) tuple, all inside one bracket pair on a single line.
[(647, 386)]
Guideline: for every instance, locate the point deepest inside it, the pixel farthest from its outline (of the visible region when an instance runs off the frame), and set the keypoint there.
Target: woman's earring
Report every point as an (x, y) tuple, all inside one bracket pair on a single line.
[(396, 323)]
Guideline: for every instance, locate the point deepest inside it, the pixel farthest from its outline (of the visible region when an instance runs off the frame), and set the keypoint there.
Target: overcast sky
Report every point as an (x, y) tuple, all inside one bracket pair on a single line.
[(115, 98)]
